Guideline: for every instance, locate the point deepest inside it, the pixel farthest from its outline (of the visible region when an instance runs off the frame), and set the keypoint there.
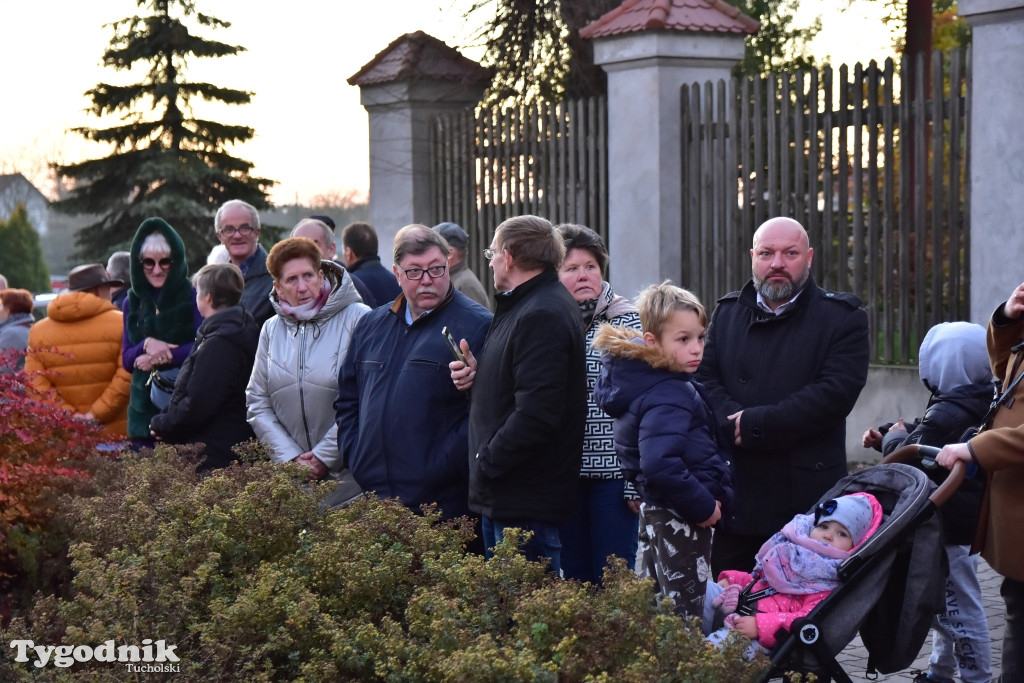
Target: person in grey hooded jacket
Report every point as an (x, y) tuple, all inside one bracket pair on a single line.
[(294, 381), (954, 365)]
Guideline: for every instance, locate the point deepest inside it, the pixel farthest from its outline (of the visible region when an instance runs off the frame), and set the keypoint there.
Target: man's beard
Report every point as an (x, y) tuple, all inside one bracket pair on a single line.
[(781, 291)]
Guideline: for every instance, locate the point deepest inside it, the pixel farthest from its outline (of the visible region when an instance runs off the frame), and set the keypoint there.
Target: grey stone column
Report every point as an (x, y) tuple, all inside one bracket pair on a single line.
[(400, 115), (414, 79), (646, 71), (997, 151)]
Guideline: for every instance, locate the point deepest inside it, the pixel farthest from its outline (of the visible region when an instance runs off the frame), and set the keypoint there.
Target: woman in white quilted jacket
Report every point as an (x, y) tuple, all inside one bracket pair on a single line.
[(294, 382)]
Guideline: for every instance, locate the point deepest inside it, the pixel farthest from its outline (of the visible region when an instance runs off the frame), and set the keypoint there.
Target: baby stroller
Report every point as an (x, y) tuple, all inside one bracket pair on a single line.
[(892, 586)]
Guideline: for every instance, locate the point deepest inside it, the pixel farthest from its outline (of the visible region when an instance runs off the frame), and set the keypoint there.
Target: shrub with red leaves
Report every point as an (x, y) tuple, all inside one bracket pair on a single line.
[(42, 452)]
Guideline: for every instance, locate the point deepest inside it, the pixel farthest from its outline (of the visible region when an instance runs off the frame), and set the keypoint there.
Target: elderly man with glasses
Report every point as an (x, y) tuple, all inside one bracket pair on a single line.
[(237, 224), (402, 424)]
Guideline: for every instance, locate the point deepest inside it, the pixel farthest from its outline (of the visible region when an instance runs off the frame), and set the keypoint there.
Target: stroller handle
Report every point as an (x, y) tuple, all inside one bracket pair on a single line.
[(947, 488)]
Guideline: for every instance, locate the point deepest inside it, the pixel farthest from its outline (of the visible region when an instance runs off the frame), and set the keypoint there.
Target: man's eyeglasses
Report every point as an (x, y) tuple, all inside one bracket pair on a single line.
[(150, 264), (490, 253), (417, 273), (243, 230)]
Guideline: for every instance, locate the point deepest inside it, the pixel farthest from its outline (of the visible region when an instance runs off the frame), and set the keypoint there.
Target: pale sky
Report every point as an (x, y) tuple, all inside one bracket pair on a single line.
[(311, 131)]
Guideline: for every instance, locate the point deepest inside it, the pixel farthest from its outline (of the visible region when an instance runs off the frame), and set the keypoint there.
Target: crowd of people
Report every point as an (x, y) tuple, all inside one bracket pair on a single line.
[(689, 445)]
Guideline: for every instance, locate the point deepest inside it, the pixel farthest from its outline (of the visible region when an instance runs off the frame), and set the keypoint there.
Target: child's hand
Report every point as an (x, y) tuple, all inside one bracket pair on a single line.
[(872, 439), (715, 516), (745, 625), (728, 600)]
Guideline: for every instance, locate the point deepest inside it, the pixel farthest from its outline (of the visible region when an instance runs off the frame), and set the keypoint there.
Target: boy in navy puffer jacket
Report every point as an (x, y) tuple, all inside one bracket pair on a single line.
[(665, 439)]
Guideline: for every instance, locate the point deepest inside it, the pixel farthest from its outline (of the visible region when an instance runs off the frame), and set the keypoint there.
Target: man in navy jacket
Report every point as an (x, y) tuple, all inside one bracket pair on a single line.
[(359, 252), (402, 425)]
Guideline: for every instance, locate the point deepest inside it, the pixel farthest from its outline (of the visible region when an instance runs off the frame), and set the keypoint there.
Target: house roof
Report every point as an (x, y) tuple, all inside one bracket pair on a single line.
[(419, 56), (12, 179), (709, 16)]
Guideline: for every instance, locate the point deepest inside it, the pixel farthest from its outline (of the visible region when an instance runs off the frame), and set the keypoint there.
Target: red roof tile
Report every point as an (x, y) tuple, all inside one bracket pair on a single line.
[(712, 16), (418, 55)]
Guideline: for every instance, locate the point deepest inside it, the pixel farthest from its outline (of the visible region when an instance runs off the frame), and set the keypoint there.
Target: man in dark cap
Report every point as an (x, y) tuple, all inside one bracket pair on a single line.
[(74, 354), (464, 279)]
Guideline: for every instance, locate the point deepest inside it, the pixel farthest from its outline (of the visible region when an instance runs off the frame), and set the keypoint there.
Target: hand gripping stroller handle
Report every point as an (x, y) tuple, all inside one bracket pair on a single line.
[(926, 454)]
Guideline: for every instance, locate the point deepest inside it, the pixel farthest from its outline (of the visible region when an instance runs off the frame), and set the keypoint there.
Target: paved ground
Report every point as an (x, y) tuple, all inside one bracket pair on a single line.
[(854, 658)]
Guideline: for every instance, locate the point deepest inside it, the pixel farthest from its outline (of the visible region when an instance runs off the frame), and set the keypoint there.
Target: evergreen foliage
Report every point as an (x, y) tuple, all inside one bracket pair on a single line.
[(245, 576), (164, 161), (21, 258)]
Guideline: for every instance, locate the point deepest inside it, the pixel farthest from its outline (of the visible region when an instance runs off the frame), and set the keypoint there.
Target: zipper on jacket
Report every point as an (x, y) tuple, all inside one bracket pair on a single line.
[(302, 397)]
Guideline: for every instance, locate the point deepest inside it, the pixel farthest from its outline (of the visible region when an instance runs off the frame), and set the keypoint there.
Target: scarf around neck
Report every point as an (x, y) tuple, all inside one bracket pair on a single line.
[(791, 562), (308, 310)]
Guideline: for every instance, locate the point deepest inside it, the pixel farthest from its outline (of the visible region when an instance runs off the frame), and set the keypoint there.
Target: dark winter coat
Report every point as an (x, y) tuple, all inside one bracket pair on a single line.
[(168, 314), (378, 280), (208, 404), (529, 406), (402, 424), (796, 377), (665, 433), (945, 421), (953, 364), (258, 284)]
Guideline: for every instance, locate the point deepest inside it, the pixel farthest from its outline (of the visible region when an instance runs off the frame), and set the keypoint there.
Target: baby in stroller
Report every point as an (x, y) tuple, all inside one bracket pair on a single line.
[(795, 570)]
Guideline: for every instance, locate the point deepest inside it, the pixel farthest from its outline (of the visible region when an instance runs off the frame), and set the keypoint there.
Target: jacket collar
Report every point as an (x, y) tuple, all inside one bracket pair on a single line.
[(748, 297), (364, 262), (506, 301)]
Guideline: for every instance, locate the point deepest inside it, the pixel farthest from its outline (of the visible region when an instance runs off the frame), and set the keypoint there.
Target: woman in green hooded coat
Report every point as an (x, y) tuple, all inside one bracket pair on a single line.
[(160, 317)]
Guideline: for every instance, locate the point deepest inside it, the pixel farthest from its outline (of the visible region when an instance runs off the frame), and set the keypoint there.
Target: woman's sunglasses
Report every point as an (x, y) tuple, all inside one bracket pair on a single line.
[(150, 264)]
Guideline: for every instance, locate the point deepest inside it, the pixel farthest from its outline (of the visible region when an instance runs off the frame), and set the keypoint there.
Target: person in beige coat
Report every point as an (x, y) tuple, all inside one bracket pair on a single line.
[(999, 451), (74, 354)]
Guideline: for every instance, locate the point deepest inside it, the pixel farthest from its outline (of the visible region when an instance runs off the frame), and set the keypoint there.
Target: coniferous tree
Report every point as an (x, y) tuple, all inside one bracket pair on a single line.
[(164, 161), (21, 259)]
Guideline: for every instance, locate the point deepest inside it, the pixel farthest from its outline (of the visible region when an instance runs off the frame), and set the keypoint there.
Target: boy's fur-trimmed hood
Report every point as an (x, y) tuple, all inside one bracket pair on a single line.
[(625, 342)]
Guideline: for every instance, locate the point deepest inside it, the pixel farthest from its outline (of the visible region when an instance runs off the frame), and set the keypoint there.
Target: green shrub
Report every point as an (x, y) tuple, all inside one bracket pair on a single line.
[(243, 574)]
